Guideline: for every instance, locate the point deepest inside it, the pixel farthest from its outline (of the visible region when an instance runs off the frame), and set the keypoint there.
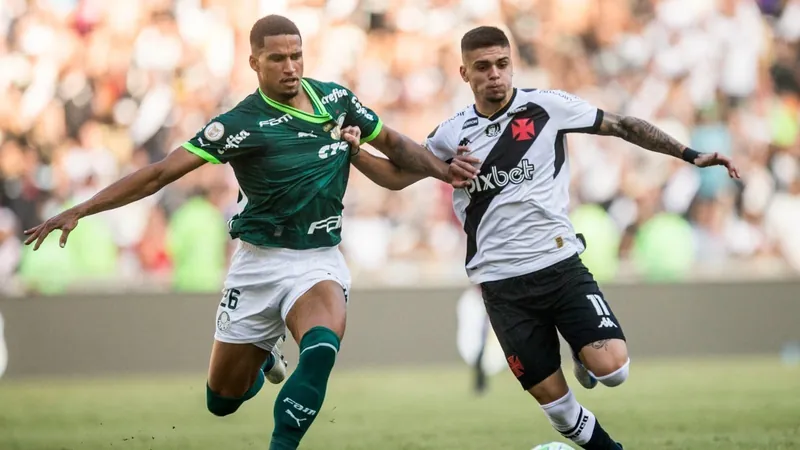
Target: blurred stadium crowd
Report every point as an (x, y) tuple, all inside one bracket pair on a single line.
[(93, 89)]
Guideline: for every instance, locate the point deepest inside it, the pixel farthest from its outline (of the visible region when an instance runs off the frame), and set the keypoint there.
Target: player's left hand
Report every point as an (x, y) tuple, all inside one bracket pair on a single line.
[(66, 222), (462, 169), (715, 159), (352, 135)]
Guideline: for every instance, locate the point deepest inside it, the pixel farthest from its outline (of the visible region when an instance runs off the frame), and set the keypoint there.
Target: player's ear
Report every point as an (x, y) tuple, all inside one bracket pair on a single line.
[(463, 71), (253, 63)]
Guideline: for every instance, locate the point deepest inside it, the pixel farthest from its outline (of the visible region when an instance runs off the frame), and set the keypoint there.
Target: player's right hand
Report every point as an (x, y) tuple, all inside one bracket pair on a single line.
[(66, 222), (352, 135), (463, 168)]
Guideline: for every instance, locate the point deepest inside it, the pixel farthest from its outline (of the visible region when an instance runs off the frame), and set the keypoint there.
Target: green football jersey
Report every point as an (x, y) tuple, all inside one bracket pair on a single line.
[(292, 167)]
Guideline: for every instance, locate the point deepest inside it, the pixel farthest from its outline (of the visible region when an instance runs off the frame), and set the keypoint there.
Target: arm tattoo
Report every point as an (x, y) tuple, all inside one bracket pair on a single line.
[(642, 133), (597, 345)]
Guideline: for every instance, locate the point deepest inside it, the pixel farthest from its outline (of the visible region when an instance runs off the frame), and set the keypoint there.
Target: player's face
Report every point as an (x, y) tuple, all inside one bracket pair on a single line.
[(488, 72), (279, 65)]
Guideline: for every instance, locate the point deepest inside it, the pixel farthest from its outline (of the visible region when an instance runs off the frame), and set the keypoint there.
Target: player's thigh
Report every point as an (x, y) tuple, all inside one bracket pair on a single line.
[(248, 325), (589, 325), (323, 305), (248, 320), (319, 297), (528, 336)]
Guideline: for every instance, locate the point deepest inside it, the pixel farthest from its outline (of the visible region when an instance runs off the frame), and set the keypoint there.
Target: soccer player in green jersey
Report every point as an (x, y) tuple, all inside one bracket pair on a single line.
[(287, 149)]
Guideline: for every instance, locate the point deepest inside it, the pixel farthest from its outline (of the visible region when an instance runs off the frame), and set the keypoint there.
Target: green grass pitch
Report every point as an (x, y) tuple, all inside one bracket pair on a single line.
[(723, 404)]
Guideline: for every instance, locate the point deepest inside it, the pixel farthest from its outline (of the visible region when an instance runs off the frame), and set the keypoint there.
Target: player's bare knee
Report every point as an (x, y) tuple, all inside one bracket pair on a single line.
[(607, 360), (616, 377)]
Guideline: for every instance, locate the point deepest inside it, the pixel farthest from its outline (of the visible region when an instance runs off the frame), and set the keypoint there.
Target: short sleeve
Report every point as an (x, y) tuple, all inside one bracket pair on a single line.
[(362, 117), (439, 142), (573, 114), (220, 141)]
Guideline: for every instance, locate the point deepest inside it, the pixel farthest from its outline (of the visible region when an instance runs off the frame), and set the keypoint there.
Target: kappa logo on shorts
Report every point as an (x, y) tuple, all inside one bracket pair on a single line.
[(516, 366), (606, 322), (223, 321)]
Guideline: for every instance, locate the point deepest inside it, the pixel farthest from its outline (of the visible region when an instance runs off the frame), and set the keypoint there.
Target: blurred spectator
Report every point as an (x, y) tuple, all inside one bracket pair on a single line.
[(197, 239), (93, 90), (10, 249)]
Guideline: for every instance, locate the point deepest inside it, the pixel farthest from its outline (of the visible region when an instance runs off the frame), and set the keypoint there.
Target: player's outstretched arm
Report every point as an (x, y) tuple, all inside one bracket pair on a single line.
[(383, 172), (648, 136), (412, 157), (144, 182), (387, 174)]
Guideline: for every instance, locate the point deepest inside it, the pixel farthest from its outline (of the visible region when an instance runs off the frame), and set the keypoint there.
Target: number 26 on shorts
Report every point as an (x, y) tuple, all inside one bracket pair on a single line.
[(230, 299)]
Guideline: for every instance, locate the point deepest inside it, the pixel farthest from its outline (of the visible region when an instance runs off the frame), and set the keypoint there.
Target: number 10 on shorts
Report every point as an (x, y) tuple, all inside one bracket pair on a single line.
[(230, 299)]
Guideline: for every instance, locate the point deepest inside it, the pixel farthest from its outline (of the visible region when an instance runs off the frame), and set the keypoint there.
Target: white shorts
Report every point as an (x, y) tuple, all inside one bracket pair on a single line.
[(264, 283)]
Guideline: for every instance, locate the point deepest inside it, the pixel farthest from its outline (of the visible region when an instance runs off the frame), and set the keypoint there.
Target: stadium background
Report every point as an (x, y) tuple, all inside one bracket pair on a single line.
[(697, 265)]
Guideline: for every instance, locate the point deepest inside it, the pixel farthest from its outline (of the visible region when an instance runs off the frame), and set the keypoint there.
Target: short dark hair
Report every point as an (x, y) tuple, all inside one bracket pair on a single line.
[(483, 37), (271, 25)]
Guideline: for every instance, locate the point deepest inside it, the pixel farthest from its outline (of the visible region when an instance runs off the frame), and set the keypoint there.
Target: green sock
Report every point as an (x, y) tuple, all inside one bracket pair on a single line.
[(222, 406), (269, 363), (301, 397)]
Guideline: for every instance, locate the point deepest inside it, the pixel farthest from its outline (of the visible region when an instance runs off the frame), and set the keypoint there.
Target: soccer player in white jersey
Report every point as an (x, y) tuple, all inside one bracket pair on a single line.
[(521, 247)]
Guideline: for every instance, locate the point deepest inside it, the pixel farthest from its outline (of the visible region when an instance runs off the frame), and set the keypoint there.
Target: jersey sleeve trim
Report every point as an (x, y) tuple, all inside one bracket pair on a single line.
[(375, 132), (201, 153), (593, 129)]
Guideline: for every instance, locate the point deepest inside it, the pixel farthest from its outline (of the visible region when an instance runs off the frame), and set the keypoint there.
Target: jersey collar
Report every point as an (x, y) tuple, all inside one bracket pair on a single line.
[(499, 113), (302, 115)]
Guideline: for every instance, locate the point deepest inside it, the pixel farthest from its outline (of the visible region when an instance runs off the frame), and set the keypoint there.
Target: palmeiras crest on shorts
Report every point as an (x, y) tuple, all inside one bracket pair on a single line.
[(223, 321), (335, 129)]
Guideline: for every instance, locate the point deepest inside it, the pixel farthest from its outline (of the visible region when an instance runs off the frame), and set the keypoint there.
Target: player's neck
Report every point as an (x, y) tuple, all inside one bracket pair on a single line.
[(488, 109), (301, 101)]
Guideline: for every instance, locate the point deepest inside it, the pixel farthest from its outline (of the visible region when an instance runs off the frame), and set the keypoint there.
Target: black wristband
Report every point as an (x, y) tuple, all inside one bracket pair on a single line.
[(358, 150), (690, 155)]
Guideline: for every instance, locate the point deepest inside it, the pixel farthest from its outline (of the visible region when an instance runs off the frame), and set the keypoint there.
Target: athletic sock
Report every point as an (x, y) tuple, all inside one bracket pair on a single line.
[(269, 363), (300, 400), (578, 424), (222, 406)]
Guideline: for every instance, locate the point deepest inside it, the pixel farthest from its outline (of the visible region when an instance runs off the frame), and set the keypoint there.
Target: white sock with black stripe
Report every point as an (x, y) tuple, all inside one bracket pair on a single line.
[(570, 419), (578, 424)]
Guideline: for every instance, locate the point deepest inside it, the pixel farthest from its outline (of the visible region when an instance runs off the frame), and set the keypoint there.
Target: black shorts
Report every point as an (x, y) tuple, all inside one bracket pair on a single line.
[(526, 311)]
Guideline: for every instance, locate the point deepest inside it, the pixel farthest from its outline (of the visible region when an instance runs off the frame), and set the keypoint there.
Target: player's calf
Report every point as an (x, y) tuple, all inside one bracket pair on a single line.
[(607, 361), (234, 376)]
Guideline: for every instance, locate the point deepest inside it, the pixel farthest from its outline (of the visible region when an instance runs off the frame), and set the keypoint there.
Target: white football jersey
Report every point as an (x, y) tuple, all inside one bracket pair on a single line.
[(516, 213)]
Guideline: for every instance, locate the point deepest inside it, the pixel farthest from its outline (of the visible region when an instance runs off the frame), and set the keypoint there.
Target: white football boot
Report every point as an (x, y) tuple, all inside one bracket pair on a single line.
[(582, 374), (277, 373)]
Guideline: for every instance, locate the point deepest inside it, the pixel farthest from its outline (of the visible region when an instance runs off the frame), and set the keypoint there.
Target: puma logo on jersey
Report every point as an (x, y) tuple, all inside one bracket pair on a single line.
[(302, 134), (277, 121), (499, 178)]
